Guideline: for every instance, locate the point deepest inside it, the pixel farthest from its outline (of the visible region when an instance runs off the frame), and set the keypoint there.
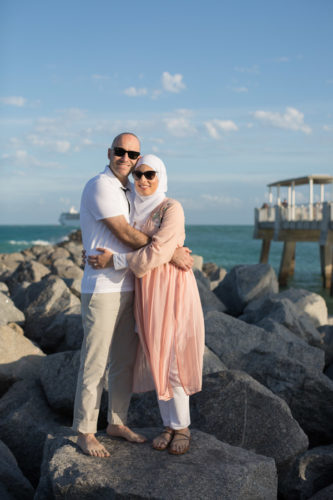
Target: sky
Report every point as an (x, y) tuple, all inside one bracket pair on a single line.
[(232, 95)]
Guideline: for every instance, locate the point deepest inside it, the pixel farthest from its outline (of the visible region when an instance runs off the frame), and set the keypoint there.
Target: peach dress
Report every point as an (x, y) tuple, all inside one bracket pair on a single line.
[(167, 308)]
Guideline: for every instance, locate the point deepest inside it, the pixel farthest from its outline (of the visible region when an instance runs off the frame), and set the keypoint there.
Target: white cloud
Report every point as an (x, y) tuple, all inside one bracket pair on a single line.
[(282, 59), (180, 124), (134, 92), (221, 200), (213, 127), (253, 69), (173, 83), (17, 101), (62, 146), (328, 128), (100, 77), (292, 119), (240, 89)]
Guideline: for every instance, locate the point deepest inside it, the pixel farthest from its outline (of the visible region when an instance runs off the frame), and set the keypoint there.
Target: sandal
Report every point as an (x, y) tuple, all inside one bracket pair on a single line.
[(165, 441), (184, 437)]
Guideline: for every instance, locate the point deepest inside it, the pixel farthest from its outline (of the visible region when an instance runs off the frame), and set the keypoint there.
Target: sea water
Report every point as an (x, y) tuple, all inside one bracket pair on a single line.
[(226, 245)]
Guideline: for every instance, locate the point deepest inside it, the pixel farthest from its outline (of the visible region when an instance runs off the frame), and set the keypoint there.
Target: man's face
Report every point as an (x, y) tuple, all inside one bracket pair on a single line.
[(122, 166)]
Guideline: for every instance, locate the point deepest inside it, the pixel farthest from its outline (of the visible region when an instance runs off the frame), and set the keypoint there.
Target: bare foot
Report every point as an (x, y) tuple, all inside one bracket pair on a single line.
[(91, 446), (181, 442), (125, 432), (162, 441)]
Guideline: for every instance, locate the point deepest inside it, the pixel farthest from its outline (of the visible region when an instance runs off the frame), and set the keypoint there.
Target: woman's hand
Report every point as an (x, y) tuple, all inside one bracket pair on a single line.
[(102, 260)]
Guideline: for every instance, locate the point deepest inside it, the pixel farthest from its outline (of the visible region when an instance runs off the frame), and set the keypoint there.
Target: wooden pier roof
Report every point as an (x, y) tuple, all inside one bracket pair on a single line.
[(298, 181)]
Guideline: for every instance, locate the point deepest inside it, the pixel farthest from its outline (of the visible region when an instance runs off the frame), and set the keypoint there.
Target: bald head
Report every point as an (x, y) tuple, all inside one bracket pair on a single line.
[(120, 163), (120, 136)]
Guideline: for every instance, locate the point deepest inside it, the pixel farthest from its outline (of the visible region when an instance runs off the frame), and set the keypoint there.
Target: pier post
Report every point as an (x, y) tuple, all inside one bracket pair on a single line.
[(287, 265), (265, 247), (326, 262)]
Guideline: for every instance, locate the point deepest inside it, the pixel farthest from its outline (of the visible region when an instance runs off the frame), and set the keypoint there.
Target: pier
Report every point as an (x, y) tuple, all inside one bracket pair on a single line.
[(291, 223)]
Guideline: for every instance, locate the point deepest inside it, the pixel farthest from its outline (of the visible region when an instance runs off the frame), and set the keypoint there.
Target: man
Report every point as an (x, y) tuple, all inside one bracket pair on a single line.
[(107, 300)]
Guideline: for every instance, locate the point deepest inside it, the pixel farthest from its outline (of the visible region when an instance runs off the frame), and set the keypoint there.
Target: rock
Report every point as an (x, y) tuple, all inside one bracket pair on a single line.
[(311, 304), (9, 262), (61, 367), (246, 283), (210, 268), (25, 422), (329, 371), (277, 365), (65, 268), (65, 332), (38, 250), (31, 271), (75, 249), (9, 312), (293, 346), (19, 358), (13, 485), (241, 412), (200, 277), (19, 295), (211, 362), (64, 367), (59, 253), (326, 332), (284, 312), (209, 301), (324, 494), (4, 288), (74, 284), (311, 472), (211, 467), (198, 262), (47, 299)]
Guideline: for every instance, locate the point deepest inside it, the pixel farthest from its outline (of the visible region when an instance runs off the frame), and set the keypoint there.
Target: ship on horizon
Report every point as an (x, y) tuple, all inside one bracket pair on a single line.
[(71, 218)]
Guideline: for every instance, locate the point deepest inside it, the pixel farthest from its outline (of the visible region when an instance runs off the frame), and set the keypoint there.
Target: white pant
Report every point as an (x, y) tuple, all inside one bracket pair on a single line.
[(175, 413)]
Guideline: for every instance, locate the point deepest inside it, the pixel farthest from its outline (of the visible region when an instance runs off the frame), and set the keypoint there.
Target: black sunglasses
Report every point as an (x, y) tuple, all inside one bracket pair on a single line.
[(150, 175), (133, 155)]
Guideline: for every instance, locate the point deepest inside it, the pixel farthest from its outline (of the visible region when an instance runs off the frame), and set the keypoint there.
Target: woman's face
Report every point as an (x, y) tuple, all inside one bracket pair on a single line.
[(144, 186)]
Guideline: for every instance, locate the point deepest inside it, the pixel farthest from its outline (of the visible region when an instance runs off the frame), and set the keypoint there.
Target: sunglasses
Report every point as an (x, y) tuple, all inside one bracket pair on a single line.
[(133, 155), (149, 175)]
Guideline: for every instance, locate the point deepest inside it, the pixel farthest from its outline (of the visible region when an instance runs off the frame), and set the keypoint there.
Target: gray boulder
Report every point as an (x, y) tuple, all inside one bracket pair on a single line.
[(282, 311), (258, 353), (311, 304), (74, 284), (13, 484), (245, 283), (25, 422), (209, 301), (324, 494), (47, 299), (31, 271), (75, 249), (326, 332), (311, 472), (210, 469), (64, 333), (329, 371), (200, 277), (9, 262), (211, 362), (198, 262), (4, 288), (241, 412), (65, 268), (19, 358), (9, 312)]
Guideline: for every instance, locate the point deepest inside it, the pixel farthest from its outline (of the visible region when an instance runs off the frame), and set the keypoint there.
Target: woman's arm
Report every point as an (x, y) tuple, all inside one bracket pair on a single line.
[(163, 244)]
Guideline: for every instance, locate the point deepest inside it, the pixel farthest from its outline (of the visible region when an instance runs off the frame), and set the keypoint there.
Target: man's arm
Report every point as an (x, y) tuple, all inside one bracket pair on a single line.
[(126, 233)]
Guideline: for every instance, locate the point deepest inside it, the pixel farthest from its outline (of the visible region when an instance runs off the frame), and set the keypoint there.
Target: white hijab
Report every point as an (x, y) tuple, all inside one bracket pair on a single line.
[(144, 205)]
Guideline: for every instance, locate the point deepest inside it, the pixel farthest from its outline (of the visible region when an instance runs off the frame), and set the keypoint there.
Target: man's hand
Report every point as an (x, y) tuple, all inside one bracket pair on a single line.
[(182, 258), (102, 260)]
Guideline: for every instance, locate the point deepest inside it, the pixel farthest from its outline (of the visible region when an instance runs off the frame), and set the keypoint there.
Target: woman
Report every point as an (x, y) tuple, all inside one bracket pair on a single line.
[(167, 306)]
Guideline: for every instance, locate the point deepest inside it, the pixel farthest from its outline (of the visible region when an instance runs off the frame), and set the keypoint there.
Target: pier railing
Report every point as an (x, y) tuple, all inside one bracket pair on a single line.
[(317, 216)]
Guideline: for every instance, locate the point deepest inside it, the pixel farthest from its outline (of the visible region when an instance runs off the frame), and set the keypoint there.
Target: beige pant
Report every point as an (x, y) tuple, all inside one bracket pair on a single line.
[(109, 342)]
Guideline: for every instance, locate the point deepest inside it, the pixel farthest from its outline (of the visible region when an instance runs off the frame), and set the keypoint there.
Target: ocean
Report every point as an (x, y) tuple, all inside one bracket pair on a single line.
[(226, 245)]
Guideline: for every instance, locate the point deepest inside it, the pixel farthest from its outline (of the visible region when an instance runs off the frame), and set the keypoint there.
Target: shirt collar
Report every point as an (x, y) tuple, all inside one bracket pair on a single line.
[(109, 173)]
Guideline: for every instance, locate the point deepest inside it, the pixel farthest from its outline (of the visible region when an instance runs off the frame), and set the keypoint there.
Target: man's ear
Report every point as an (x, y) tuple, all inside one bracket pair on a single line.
[(109, 153)]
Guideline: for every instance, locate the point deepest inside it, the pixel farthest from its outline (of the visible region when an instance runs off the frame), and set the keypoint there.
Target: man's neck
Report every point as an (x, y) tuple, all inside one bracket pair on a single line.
[(122, 179)]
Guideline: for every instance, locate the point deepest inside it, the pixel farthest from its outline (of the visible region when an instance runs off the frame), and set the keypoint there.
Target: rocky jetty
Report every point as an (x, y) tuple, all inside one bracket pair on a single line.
[(262, 427)]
